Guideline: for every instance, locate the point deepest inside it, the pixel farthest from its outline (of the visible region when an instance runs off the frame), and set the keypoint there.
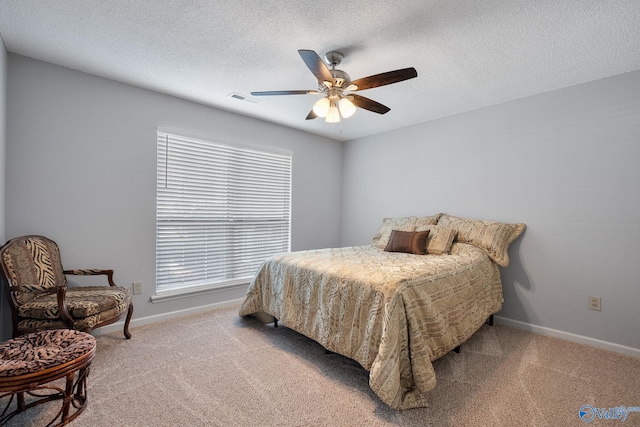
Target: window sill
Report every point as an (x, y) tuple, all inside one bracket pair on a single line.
[(191, 292)]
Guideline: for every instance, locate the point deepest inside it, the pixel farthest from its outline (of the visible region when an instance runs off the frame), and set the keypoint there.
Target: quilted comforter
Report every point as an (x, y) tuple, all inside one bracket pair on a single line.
[(394, 313)]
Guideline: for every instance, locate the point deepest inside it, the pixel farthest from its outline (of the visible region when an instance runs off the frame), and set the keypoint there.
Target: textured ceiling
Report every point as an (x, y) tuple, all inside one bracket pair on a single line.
[(469, 54)]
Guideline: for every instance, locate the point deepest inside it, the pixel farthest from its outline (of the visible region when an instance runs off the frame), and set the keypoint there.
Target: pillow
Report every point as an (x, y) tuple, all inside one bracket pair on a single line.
[(493, 237), (440, 238), (409, 223), (411, 242)]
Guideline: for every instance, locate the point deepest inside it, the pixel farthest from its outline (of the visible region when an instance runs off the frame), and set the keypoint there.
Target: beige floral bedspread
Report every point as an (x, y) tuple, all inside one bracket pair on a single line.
[(394, 313)]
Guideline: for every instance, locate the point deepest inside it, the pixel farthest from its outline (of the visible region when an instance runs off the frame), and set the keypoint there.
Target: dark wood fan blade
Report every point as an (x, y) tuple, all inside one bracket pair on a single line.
[(369, 104), (316, 65), (311, 115), (385, 78), (284, 92)]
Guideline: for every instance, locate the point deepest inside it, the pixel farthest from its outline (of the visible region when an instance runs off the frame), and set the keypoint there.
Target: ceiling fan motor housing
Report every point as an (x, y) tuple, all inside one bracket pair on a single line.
[(334, 58), (341, 78)]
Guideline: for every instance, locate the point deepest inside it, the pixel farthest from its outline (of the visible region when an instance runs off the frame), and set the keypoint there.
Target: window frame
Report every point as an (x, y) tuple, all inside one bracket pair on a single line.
[(234, 192)]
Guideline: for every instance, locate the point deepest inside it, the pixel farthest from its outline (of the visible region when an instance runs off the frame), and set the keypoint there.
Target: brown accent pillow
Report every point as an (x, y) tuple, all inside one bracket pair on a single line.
[(411, 242), (408, 223)]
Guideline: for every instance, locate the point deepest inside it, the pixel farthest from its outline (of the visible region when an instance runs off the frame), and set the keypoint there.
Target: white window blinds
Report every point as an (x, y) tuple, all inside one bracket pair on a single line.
[(221, 210)]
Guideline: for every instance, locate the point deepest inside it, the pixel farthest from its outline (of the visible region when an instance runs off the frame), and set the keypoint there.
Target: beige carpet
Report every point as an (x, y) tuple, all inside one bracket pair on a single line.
[(216, 369)]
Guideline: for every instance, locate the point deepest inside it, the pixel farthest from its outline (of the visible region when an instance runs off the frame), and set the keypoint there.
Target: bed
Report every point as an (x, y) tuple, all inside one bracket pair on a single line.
[(420, 289)]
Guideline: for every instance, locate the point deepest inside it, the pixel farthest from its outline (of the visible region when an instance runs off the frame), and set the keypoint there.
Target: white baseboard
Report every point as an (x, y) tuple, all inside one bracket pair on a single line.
[(139, 321), (580, 339)]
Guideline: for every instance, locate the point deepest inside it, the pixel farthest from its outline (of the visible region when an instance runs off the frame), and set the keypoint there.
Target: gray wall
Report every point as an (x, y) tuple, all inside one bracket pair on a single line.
[(5, 315), (566, 163), (82, 170)]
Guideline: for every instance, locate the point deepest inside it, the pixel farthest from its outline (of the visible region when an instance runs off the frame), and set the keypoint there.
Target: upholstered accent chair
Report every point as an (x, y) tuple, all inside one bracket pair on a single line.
[(40, 298)]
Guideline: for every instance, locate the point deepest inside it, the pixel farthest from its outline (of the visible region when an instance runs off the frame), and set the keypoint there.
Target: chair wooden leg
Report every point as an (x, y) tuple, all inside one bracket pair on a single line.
[(67, 397), (20, 401), (127, 334)]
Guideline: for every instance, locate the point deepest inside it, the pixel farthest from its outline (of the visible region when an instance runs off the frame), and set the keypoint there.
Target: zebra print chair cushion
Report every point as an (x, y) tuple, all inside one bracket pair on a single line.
[(81, 302), (82, 324)]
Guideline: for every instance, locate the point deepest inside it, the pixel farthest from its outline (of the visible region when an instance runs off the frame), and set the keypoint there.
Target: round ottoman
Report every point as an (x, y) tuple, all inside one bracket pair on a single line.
[(30, 362)]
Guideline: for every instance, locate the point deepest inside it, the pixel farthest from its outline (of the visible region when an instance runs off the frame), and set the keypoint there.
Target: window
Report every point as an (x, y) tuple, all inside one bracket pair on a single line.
[(221, 210)]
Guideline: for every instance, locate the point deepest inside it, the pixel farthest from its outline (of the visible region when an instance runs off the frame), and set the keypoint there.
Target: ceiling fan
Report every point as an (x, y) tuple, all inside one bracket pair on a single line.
[(337, 87)]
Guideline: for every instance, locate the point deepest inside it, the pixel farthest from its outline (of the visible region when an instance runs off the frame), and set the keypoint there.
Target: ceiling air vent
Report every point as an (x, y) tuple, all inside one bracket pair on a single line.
[(243, 98)]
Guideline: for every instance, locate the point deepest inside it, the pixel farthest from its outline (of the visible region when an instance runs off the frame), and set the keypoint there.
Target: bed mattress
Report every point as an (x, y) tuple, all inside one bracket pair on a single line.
[(394, 313)]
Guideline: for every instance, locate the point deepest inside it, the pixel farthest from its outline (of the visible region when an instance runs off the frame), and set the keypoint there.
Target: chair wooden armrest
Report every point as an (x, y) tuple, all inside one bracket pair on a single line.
[(61, 292), (92, 272)]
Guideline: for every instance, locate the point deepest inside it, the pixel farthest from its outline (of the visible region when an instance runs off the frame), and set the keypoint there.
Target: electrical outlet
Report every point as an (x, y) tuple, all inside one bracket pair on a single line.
[(594, 303), (137, 288)]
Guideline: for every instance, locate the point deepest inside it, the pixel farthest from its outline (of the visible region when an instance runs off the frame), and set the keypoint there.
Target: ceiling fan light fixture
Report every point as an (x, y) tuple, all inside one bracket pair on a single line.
[(333, 115), (321, 107), (346, 108)]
